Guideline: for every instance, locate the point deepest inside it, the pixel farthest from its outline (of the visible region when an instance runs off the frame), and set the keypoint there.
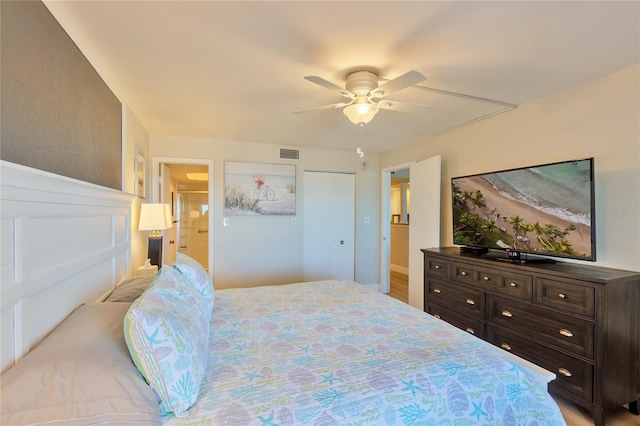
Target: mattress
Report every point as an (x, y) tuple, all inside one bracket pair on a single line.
[(339, 353)]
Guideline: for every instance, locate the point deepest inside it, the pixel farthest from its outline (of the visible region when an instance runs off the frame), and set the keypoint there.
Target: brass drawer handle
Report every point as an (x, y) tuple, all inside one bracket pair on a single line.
[(513, 284), (470, 302), (505, 346), (470, 330), (463, 273), (436, 266), (565, 372), (566, 332), (486, 278), (437, 316), (507, 314), (436, 290), (562, 296)]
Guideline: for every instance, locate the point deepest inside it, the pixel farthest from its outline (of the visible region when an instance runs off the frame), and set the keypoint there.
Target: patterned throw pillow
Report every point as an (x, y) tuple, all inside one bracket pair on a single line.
[(198, 275), (167, 332)]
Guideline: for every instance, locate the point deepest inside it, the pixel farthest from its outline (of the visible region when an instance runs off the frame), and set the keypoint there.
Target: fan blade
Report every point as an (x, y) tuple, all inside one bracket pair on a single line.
[(398, 83), (401, 106), (323, 107), (329, 85)]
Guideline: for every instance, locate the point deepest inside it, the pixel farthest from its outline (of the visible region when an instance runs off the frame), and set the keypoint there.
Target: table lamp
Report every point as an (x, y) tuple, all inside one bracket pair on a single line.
[(155, 217)]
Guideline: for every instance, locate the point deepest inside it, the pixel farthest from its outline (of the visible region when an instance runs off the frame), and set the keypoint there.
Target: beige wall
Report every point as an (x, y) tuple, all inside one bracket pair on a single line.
[(597, 119), (255, 250), (399, 251), (135, 139)]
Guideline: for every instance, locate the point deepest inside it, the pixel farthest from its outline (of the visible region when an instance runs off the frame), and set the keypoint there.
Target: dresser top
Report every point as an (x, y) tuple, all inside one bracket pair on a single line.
[(558, 268)]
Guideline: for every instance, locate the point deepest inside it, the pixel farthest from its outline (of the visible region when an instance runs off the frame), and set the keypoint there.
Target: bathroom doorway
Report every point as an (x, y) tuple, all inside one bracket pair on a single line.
[(186, 184)]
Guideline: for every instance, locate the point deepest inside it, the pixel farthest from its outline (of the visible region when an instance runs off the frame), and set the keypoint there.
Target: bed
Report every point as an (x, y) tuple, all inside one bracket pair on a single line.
[(314, 353)]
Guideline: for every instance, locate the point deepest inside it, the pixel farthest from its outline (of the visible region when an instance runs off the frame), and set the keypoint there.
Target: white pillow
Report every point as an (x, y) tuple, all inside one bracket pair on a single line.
[(130, 289), (80, 374)]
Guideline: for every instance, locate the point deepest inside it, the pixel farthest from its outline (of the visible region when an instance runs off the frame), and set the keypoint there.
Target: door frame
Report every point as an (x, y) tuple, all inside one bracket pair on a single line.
[(155, 190), (385, 224)]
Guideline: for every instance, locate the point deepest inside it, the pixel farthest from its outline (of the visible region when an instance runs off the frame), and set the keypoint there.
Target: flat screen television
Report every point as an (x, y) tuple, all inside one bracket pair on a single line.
[(545, 210)]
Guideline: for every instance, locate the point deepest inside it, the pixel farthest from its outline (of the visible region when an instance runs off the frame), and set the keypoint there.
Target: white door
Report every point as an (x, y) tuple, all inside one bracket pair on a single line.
[(329, 226), (167, 195), (424, 228)]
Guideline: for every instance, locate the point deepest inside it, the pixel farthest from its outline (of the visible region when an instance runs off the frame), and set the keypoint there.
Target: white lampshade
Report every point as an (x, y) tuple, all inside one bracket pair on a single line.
[(361, 112), (154, 217)]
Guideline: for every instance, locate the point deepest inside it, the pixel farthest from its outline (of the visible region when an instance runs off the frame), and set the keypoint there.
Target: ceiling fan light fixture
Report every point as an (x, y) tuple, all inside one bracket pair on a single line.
[(361, 112)]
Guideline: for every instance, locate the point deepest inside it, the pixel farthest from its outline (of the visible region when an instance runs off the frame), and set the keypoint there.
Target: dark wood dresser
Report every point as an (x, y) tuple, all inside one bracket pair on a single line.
[(579, 321)]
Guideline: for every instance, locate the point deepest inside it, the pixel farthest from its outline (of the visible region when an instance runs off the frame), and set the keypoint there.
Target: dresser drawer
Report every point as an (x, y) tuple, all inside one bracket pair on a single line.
[(516, 285), (563, 331), (466, 300), (566, 296), (463, 322), (572, 374), (437, 267), (508, 283)]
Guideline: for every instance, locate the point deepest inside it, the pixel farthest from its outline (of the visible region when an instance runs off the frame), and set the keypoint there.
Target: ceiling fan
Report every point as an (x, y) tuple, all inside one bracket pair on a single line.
[(366, 95)]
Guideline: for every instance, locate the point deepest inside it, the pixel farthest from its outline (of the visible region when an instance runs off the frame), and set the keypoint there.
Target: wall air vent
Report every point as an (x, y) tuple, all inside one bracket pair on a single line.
[(289, 154)]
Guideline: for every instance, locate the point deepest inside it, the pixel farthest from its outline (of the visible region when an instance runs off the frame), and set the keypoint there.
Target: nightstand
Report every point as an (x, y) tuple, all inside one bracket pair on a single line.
[(147, 270)]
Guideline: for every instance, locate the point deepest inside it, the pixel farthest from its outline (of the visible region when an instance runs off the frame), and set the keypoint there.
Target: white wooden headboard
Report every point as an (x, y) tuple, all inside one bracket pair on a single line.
[(64, 243)]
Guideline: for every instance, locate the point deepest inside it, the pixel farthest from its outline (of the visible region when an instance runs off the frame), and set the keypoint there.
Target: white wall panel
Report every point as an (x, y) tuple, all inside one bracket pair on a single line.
[(7, 249), (7, 337), (64, 243)]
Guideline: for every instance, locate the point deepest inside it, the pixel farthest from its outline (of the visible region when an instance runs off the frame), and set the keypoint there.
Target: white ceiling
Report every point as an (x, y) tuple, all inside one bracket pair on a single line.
[(234, 70)]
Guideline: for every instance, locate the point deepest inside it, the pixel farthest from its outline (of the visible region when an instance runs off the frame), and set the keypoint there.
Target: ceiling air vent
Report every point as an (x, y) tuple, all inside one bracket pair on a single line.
[(289, 154)]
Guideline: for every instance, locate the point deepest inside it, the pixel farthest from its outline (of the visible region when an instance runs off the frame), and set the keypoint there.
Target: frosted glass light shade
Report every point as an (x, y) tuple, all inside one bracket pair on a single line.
[(361, 112), (154, 217)]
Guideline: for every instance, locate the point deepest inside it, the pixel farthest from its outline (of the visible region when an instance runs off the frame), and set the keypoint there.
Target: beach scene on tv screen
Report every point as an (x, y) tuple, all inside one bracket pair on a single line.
[(544, 209)]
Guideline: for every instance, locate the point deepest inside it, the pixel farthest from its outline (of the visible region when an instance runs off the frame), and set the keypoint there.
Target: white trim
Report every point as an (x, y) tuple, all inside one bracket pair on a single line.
[(385, 223)]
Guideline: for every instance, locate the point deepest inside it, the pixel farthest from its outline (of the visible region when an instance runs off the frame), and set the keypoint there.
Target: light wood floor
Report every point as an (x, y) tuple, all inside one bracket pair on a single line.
[(399, 286), (573, 414)]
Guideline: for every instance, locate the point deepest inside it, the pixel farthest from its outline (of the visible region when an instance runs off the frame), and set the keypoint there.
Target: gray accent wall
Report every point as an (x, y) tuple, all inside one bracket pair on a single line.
[(57, 114)]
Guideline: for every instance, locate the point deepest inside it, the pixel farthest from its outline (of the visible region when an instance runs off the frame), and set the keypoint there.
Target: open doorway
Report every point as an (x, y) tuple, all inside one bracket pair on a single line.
[(424, 231), (187, 186), (393, 179), (191, 210), (400, 206)]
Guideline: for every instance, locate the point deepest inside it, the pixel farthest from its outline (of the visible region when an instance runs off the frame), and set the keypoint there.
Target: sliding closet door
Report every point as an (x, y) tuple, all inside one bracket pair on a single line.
[(329, 226)]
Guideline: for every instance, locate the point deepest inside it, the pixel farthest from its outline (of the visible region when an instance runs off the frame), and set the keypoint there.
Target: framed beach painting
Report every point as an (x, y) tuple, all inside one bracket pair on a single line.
[(259, 189), (139, 170)]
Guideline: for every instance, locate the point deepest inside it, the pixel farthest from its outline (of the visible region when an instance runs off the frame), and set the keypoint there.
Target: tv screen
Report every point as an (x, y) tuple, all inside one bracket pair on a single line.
[(545, 210)]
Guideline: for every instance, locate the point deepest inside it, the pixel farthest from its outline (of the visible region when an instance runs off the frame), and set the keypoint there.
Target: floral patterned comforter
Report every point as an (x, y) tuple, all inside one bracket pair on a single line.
[(339, 353)]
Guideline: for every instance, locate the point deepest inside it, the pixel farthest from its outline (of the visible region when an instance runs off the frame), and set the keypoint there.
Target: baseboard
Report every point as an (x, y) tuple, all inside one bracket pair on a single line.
[(399, 269)]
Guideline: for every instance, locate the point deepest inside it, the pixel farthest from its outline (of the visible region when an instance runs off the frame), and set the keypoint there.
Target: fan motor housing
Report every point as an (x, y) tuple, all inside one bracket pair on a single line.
[(361, 82)]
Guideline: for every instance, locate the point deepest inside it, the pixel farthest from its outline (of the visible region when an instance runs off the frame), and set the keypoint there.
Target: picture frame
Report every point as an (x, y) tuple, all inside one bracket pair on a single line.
[(259, 189), (140, 167)]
